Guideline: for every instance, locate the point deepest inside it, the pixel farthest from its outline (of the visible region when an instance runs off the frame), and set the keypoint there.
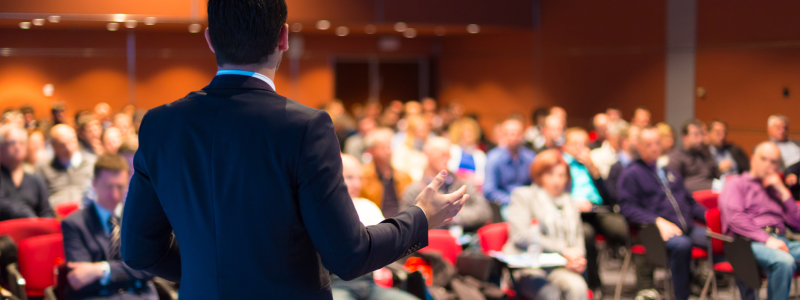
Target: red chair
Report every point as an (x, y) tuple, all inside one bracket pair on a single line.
[(21, 229), (493, 237), (37, 259), (706, 198), (63, 210), (441, 241)]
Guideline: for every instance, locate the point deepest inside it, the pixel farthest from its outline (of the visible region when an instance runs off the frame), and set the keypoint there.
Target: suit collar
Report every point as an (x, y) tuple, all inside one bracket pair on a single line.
[(96, 228), (234, 81)]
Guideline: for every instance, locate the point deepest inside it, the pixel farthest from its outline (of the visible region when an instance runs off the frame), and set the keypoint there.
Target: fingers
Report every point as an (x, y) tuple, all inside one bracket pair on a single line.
[(438, 180), (458, 194)]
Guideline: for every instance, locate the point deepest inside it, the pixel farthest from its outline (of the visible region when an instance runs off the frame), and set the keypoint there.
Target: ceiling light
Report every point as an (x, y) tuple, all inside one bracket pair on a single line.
[(24, 25), (410, 33), (47, 90), (473, 28), (297, 27), (112, 26), (54, 19), (323, 24), (38, 22), (118, 18), (195, 28), (400, 26), (130, 23), (440, 31), (342, 31), (370, 29), (150, 21)]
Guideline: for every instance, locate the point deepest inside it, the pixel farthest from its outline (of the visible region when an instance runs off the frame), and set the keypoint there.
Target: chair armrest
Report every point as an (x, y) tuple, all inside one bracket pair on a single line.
[(50, 293), (16, 284), (718, 236)]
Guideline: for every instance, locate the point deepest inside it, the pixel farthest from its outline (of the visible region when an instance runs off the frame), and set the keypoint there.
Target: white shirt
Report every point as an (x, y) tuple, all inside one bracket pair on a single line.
[(604, 157), (251, 74), (368, 212), (790, 152)]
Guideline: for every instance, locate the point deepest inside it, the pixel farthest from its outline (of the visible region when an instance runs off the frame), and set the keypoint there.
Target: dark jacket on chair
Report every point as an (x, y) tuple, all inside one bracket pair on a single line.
[(251, 184), (85, 240)]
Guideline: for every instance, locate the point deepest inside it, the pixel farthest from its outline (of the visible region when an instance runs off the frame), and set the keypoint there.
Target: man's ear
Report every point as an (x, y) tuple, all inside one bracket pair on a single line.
[(283, 42), (208, 40)]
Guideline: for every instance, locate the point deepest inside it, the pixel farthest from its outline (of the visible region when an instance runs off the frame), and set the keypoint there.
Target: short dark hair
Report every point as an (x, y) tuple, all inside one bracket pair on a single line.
[(110, 162), (716, 121), (690, 122), (245, 31), (539, 112), (26, 109)]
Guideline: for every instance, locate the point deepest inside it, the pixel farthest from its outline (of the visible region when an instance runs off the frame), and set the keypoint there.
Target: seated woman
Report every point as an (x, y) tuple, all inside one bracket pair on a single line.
[(561, 231)]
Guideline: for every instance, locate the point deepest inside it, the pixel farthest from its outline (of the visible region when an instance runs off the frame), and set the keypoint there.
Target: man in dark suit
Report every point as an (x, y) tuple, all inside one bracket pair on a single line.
[(92, 241), (263, 212)]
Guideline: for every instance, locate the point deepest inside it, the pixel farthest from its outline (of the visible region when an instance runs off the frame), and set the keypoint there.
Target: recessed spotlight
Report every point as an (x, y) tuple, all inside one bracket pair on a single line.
[(118, 18), (440, 30), (473, 28), (342, 31), (323, 24), (150, 21), (370, 29), (38, 22), (24, 25), (130, 23), (54, 19), (410, 33), (400, 26), (112, 26), (48, 90), (297, 27), (195, 28)]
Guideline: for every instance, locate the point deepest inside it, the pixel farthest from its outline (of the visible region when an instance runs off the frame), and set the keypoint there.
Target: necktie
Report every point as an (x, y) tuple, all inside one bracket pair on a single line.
[(114, 252)]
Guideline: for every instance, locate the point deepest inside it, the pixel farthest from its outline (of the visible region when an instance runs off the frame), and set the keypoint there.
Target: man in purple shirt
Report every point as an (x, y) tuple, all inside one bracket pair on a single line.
[(757, 205)]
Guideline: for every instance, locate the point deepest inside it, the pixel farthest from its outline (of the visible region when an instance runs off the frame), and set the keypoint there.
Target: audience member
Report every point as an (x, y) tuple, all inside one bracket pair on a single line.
[(21, 195), (102, 111), (641, 117), (778, 131), (606, 155), (756, 205), (533, 134), (59, 114), (649, 194), (476, 211), (90, 133), (354, 145), (69, 172), (35, 152), (588, 190), (407, 156), (92, 241), (615, 117), (561, 113), (507, 166), (730, 158), (123, 122), (383, 184), (667, 142), (600, 125), (29, 116), (467, 161), (112, 139), (561, 232), (693, 161), (628, 138), (553, 131)]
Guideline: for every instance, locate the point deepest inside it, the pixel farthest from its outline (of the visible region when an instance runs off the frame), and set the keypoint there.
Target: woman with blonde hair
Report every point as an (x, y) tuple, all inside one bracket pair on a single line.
[(467, 161)]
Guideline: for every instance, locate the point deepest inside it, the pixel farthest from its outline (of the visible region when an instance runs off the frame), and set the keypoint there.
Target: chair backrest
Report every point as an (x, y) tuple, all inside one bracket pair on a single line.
[(714, 223), (64, 209), (706, 198), (20, 229), (441, 241), (38, 257), (493, 237)]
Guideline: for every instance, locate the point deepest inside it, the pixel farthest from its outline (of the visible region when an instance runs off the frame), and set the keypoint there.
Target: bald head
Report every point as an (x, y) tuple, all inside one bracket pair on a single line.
[(351, 171), (437, 150), (766, 160), (649, 144), (64, 141), (576, 142), (553, 128)]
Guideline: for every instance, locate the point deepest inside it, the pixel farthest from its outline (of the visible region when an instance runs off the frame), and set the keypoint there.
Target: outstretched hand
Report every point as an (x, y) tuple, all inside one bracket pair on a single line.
[(440, 208)]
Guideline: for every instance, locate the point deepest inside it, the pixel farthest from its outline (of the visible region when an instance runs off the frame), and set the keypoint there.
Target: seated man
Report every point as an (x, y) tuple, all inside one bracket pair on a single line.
[(731, 159), (552, 132), (476, 211), (693, 161), (69, 172), (21, 195), (507, 166), (628, 138), (383, 184), (588, 190), (757, 205), (92, 241), (649, 194), (364, 287)]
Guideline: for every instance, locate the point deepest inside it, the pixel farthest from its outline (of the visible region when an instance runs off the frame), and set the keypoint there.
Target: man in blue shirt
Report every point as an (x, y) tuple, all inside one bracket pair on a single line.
[(92, 241), (588, 191), (507, 166)]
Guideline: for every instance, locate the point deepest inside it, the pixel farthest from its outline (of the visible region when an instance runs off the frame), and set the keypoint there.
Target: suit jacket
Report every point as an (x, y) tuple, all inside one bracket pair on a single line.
[(372, 187), (251, 184), (85, 240)]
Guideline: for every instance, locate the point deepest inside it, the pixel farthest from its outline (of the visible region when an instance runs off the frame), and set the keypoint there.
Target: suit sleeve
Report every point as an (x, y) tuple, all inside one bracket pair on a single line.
[(147, 240), (346, 247)]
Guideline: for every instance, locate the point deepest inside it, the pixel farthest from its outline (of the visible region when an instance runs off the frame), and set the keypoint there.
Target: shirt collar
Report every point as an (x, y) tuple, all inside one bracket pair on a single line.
[(260, 76), (104, 216)]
